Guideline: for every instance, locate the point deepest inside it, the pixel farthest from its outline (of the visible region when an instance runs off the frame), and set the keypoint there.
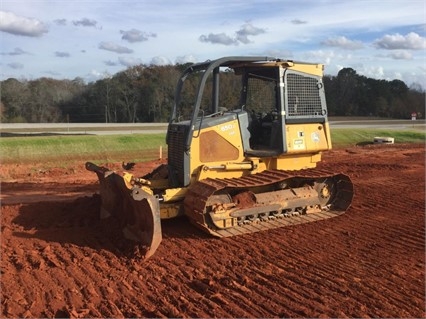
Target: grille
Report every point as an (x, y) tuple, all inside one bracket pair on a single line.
[(176, 150), (303, 96)]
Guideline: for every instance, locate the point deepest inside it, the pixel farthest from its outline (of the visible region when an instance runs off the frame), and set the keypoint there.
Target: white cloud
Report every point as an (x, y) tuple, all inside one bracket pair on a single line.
[(85, 22), (16, 51), (110, 63), (110, 46), (401, 55), (247, 30), (376, 72), (241, 36), (60, 21), (160, 60), (129, 61), (95, 75), (343, 43), (186, 59), (17, 25), (59, 54), (135, 35), (411, 41), (218, 38), (320, 56)]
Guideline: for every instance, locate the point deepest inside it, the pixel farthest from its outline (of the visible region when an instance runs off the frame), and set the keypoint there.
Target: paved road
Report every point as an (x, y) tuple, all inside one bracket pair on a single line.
[(380, 124), (82, 128), (8, 129)]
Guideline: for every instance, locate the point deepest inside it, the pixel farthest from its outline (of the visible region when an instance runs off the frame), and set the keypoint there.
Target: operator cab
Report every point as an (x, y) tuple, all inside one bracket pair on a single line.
[(263, 95), (274, 96)]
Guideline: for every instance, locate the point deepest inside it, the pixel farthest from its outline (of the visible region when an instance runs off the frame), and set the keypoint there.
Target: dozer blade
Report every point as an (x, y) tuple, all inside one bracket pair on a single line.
[(137, 210)]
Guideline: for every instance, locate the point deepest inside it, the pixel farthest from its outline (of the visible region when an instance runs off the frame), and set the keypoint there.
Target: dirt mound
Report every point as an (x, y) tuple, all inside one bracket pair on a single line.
[(58, 259)]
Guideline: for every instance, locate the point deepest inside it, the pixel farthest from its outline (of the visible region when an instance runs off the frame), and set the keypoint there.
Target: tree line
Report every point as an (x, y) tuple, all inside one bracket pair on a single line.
[(145, 94)]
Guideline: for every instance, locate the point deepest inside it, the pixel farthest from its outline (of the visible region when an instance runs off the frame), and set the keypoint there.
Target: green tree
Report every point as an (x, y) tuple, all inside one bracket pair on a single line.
[(146, 94), (14, 96), (347, 84)]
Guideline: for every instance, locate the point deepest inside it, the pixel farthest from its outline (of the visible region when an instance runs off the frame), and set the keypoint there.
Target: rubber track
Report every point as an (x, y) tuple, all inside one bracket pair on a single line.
[(198, 195)]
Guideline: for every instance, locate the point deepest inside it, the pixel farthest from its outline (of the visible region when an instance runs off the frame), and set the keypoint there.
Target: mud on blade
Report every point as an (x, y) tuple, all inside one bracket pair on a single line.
[(137, 210)]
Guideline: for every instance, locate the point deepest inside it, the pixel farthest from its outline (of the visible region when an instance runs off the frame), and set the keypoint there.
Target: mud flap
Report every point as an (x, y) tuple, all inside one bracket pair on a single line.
[(137, 210)]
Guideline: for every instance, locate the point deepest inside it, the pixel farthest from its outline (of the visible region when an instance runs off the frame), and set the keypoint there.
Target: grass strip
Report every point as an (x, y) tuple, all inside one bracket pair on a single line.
[(143, 147), (349, 137), (105, 148)]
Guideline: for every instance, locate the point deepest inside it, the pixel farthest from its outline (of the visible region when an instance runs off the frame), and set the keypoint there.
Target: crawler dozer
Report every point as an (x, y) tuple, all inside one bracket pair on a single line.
[(244, 139)]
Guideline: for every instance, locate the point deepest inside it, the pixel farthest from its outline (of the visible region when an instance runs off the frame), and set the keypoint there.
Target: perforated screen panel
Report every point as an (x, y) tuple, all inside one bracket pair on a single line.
[(176, 150), (261, 97), (303, 94)]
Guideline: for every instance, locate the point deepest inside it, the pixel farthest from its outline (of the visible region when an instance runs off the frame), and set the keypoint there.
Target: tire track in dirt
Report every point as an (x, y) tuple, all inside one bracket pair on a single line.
[(203, 282), (404, 228)]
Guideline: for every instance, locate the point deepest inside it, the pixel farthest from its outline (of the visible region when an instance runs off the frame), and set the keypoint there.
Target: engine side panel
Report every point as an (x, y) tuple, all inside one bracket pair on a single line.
[(304, 138)]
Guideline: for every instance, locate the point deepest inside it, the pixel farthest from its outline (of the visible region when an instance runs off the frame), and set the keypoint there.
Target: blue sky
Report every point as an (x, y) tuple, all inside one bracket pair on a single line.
[(382, 39)]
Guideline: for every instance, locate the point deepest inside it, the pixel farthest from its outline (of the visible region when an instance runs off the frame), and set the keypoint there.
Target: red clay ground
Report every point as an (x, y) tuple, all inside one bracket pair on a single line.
[(58, 260)]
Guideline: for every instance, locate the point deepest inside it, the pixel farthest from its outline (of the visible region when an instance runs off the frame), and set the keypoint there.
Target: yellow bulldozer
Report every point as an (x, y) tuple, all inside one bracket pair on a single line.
[(244, 139)]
